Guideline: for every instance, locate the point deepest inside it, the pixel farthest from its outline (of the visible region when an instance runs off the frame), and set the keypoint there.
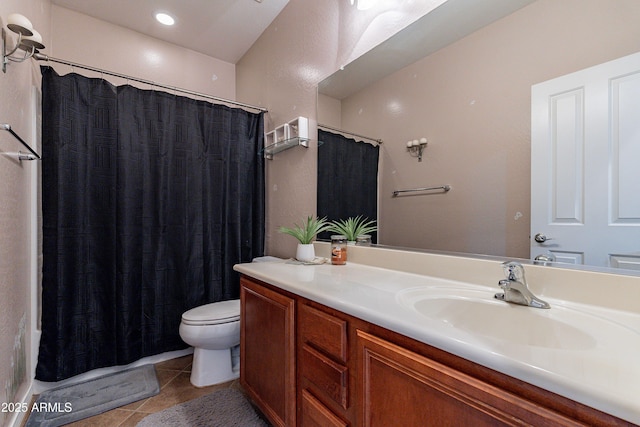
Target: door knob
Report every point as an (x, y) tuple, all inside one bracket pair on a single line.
[(541, 238), (545, 258)]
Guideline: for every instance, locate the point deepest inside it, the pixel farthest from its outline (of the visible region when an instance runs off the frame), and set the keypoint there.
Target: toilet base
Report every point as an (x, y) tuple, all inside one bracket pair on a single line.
[(212, 367)]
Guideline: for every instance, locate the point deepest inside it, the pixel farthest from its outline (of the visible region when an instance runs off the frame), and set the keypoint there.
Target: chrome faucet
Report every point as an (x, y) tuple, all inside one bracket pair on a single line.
[(515, 287)]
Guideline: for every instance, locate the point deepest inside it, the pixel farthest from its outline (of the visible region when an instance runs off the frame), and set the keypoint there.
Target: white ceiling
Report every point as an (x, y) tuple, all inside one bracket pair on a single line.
[(444, 25), (223, 29)]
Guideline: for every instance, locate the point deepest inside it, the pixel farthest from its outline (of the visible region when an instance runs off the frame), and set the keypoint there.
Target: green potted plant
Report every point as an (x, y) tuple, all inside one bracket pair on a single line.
[(353, 227), (305, 234)]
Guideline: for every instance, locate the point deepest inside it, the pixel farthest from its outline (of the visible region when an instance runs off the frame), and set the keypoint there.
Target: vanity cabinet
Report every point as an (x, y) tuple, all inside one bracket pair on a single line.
[(339, 370)]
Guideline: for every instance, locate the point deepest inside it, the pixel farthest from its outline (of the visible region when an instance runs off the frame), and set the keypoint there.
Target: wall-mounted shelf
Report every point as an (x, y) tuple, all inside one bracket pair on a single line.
[(277, 147), (292, 134)]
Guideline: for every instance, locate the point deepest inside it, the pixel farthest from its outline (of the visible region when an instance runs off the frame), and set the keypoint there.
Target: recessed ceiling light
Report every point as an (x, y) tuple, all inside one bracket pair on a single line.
[(165, 19)]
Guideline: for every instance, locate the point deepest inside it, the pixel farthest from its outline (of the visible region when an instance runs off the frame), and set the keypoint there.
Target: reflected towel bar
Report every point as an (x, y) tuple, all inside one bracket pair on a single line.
[(444, 188), (22, 156)]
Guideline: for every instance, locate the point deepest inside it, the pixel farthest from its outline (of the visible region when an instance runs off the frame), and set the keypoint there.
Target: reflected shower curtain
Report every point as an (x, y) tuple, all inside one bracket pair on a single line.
[(148, 201), (347, 178)]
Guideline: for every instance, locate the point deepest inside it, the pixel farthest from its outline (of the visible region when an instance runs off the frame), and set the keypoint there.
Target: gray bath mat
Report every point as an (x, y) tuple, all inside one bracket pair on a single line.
[(66, 404), (223, 408)]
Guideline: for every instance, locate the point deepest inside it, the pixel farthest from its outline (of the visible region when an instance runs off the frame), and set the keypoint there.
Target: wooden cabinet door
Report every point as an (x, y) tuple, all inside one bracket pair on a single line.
[(267, 351), (399, 387)]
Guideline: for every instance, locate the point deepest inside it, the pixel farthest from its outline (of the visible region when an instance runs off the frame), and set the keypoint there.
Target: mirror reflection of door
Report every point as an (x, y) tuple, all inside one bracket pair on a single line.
[(585, 166), (347, 179)]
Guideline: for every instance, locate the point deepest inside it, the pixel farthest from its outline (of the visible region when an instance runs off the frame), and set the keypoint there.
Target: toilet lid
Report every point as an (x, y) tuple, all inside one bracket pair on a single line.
[(211, 314)]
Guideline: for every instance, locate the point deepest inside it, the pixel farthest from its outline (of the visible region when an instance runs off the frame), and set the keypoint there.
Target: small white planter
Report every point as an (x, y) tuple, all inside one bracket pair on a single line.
[(305, 252)]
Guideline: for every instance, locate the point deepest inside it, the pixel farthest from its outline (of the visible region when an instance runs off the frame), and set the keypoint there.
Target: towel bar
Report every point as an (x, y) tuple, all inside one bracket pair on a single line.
[(444, 188), (22, 156)]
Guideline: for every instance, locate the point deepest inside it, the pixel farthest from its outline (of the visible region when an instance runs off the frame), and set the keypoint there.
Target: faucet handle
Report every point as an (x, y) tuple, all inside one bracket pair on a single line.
[(513, 270)]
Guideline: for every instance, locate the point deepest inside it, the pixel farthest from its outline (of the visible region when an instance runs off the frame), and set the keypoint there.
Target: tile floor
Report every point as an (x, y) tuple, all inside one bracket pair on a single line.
[(175, 388)]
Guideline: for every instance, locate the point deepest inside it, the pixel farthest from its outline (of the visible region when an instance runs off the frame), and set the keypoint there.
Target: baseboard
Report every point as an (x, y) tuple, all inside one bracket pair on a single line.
[(19, 417)]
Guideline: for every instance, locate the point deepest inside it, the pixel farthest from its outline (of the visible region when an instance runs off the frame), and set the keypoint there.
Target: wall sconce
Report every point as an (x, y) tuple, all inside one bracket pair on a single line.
[(415, 147), (29, 40)]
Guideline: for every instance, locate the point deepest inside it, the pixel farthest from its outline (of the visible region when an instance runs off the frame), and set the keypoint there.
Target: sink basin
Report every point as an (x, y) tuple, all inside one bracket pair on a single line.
[(477, 312)]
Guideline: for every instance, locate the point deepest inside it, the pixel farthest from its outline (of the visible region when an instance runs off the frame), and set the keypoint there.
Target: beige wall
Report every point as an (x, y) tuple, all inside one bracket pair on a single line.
[(308, 41), (471, 101), (473, 105), (16, 208)]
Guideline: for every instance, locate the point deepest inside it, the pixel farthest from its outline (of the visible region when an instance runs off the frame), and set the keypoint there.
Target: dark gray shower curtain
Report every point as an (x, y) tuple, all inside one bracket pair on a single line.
[(347, 179), (148, 201)]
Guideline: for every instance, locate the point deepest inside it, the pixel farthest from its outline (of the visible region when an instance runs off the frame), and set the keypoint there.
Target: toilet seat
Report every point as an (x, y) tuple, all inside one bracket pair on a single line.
[(213, 314)]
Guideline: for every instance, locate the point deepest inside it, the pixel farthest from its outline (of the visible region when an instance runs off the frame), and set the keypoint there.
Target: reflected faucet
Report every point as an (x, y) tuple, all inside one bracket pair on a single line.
[(515, 287)]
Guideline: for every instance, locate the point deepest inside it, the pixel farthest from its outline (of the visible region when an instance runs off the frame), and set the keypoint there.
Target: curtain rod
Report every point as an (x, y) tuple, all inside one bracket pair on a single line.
[(43, 57), (378, 140)]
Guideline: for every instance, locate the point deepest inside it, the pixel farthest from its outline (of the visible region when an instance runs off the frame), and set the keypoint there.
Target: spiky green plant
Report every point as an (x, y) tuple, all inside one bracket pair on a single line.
[(306, 232), (353, 227)]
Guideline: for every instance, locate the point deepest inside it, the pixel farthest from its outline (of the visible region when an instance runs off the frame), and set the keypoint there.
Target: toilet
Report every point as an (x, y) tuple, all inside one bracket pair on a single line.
[(213, 330)]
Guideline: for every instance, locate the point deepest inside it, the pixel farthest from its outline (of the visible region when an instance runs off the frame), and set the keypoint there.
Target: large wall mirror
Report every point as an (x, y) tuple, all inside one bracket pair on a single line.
[(461, 77)]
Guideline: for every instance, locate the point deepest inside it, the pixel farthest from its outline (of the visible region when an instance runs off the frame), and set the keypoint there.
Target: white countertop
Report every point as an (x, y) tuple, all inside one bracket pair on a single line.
[(587, 353)]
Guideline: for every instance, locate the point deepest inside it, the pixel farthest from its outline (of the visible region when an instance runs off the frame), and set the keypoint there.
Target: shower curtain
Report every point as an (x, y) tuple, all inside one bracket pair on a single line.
[(148, 200), (347, 179)]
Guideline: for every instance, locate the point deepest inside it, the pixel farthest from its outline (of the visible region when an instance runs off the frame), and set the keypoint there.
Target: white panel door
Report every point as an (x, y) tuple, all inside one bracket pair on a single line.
[(585, 166)]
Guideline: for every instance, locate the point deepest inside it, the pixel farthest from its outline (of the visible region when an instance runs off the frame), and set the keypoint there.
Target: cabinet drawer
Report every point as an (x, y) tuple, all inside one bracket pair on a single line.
[(324, 331), (315, 414), (330, 377)]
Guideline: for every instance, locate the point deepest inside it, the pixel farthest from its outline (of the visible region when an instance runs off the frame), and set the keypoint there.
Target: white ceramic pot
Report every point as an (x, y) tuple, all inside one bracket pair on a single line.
[(305, 252)]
